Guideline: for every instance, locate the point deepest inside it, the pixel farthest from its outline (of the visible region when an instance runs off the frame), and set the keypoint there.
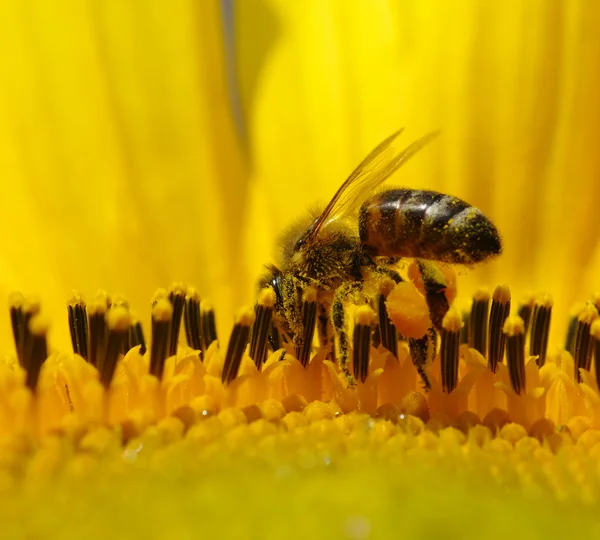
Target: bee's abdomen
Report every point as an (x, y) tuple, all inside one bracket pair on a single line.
[(426, 225)]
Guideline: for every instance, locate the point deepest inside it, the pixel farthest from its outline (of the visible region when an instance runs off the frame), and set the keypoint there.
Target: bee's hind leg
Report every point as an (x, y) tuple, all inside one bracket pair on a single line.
[(435, 292), (423, 350)]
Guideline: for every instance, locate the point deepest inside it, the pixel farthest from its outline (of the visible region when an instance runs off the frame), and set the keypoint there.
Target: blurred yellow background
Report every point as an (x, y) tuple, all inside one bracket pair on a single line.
[(148, 141)]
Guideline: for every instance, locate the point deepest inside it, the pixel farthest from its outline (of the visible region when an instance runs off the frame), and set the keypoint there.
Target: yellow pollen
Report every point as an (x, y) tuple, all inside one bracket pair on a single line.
[(513, 326), (452, 321), (162, 310), (482, 294), (309, 295), (245, 316), (502, 294), (118, 318), (267, 297), (364, 316)]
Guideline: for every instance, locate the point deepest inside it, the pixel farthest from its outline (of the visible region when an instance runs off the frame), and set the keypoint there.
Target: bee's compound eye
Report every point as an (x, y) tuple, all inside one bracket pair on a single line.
[(299, 243)]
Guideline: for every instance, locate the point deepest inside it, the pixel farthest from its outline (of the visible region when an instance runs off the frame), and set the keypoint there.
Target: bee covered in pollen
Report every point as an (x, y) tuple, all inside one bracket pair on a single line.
[(333, 258)]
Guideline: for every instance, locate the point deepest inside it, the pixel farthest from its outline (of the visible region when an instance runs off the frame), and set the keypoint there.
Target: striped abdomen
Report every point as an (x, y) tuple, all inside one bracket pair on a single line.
[(426, 225)]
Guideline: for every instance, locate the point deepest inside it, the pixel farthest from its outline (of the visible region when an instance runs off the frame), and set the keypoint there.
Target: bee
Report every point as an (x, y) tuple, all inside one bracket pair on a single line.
[(363, 233)]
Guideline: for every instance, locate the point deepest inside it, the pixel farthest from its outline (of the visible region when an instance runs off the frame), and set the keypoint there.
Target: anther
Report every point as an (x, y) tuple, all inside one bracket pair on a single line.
[(162, 314), (525, 311), (450, 342), (262, 325), (191, 321), (177, 298), (498, 313), (572, 328), (464, 331), (364, 318), (15, 306), (208, 321), (595, 335), (31, 307), (309, 321), (478, 321), (136, 334), (35, 349), (78, 324), (119, 300), (540, 328), (117, 324), (97, 330), (237, 344), (582, 357), (159, 294), (387, 331), (514, 330)]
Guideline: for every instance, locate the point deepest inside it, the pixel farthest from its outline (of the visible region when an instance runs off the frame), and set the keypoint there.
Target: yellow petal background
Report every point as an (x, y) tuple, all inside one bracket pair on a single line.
[(123, 167)]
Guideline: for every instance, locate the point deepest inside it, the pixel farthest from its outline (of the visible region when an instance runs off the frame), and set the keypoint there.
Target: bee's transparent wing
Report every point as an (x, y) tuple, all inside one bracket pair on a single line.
[(370, 174)]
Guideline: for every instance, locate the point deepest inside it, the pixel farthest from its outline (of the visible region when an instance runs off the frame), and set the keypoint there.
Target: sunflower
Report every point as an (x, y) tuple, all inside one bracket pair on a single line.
[(150, 143)]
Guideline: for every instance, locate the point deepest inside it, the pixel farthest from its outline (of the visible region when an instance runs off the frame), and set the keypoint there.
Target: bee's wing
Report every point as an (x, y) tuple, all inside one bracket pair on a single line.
[(370, 174)]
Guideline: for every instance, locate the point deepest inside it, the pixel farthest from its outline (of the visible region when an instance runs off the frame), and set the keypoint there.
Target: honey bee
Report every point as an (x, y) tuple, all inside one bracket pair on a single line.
[(364, 233)]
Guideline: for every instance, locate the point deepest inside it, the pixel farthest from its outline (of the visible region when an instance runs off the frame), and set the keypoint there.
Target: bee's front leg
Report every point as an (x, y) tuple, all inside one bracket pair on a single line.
[(338, 316)]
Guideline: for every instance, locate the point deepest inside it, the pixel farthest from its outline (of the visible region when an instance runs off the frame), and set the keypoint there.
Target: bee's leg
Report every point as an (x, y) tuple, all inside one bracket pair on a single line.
[(338, 317), (435, 288), (420, 351), (326, 338), (388, 272), (423, 350), (386, 331)]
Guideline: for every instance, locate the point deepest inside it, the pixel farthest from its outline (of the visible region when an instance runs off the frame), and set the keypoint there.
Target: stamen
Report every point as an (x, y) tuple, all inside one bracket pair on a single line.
[(540, 328), (159, 294), (78, 324), (136, 334), (498, 314), (464, 331), (595, 334), (309, 321), (237, 344), (15, 305), (31, 307), (35, 349), (209, 325), (451, 326), (572, 328), (262, 326), (387, 331), (363, 322), (525, 311), (120, 301), (162, 314), (582, 358), (191, 321), (514, 329), (117, 323), (177, 298), (478, 321), (97, 330)]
